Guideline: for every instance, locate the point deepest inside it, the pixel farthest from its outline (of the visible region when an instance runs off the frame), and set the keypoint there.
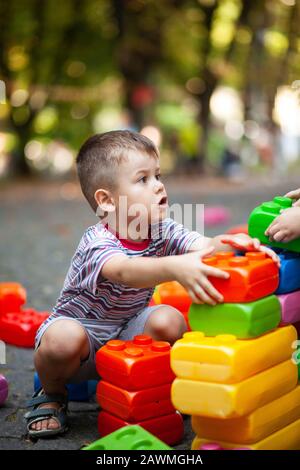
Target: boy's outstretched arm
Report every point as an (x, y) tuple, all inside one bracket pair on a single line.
[(187, 269)]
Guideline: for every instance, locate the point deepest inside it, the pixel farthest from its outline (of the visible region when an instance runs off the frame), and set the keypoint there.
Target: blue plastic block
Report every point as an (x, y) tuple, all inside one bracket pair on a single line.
[(76, 392), (289, 274)]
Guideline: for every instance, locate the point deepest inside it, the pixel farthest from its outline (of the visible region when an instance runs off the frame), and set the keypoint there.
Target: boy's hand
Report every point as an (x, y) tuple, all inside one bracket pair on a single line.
[(242, 241), (192, 274), (286, 227), (294, 195)]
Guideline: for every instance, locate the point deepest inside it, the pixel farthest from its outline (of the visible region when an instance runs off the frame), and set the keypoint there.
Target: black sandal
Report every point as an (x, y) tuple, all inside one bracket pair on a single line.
[(39, 414)]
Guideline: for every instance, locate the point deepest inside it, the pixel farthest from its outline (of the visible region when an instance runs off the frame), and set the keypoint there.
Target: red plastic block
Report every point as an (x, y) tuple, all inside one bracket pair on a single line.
[(12, 297), (19, 328), (168, 428), (135, 365), (135, 406), (252, 276)]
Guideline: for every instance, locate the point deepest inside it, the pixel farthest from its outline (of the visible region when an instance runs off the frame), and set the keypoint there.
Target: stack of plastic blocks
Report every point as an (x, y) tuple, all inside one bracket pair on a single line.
[(174, 294), (234, 370), (83, 391), (18, 326), (288, 290), (3, 389), (129, 438), (135, 388)]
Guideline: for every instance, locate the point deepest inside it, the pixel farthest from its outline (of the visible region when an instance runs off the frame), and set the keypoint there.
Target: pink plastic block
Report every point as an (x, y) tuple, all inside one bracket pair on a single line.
[(216, 216), (3, 389), (290, 307)]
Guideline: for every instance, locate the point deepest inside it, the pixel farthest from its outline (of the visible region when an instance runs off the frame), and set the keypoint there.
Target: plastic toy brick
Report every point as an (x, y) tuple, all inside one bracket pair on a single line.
[(226, 359), (174, 294), (12, 297), (229, 401), (167, 428), (245, 320), (251, 276), (135, 365), (135, 406), (129, 438), (287, 438), (76, 392), (289, 273), (253, 427), (20, 328), (262, 216), (3, 389), (290, 307)]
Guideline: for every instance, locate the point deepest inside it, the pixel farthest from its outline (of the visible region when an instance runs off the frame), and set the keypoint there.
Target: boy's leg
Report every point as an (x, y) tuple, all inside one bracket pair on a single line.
[(161, 322), (62, 348), (165, 323)]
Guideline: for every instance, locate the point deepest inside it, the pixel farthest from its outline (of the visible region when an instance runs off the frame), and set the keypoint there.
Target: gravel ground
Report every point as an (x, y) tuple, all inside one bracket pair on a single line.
[(41, 225)]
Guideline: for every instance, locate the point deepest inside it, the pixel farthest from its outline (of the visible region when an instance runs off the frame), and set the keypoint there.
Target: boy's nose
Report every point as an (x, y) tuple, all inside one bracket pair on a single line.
[(159, 186)]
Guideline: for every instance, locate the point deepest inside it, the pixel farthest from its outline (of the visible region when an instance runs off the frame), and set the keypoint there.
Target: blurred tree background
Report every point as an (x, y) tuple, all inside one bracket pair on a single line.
[(215, 83)]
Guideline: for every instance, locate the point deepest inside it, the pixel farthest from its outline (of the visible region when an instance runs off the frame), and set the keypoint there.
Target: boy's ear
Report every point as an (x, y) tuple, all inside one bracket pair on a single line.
[(105, 200)]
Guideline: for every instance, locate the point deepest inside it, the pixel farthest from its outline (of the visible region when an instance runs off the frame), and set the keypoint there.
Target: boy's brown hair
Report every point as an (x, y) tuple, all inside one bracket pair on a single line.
[(100, 155)]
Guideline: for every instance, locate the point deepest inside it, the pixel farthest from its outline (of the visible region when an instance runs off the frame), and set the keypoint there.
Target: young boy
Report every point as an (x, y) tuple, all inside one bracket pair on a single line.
[(286, 227), (115, 269)]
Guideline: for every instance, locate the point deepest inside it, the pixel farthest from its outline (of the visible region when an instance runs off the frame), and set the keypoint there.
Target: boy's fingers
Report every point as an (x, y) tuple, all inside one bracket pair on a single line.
[(295, 194), (278, 237), (206, 251), (202, 295), (270, 253), (256, 243), (273, 229), (194, 299), (215, 272), (211, 290)]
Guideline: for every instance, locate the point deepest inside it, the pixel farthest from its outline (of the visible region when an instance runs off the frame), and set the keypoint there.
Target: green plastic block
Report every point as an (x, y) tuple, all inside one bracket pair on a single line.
[(129, 438), (245, 320), (262, 216)]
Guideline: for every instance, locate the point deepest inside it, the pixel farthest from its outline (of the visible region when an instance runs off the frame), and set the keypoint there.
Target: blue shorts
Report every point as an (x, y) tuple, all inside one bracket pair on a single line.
[(87, 370)]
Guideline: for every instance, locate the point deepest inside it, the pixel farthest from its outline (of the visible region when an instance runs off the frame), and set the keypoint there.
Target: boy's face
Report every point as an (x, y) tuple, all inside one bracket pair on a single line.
[(140, 186)]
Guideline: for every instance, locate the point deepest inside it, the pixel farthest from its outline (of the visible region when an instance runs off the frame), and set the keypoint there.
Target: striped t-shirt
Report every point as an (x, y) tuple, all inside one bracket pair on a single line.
[(103, 306)]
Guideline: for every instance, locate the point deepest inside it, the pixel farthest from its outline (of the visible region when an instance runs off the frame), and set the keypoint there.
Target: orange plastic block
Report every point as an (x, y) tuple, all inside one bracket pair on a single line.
[(135, 365), (12, 297), (135, 406), (19, 328), (252, 276), (168, 428), (174, 294)]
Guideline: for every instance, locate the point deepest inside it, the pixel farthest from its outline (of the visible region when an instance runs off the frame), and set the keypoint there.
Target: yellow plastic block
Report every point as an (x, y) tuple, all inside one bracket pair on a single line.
[(253, 427), (226, 359), (229, 401), (287, 438)]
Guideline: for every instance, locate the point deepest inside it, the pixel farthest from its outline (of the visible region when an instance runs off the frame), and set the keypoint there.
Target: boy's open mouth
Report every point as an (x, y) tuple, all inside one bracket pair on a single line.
[(163, 201)]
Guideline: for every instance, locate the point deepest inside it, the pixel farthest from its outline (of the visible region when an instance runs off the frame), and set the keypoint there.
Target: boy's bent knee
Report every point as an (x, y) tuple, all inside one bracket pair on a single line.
[(166, 324), (64, 339)]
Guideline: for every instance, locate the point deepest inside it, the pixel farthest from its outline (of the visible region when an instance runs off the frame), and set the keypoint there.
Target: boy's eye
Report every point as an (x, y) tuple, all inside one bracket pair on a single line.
[(143, 179), (158, 176)]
